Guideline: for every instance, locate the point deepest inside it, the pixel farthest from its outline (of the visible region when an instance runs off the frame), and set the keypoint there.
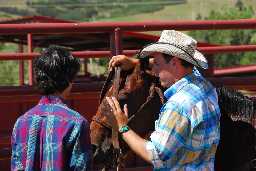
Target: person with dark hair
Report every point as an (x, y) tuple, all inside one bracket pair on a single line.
[(187, 131), (51, 136)]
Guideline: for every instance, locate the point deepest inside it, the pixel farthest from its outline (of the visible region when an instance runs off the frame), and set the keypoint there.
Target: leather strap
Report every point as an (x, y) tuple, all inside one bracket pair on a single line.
[(116, 87)]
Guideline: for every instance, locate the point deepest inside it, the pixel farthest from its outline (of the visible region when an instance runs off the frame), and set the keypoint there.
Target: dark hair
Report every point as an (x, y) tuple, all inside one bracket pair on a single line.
[(186, 64), (54, 69), (167, 57)]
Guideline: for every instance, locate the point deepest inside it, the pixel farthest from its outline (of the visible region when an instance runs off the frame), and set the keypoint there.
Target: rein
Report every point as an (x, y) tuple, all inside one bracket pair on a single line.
[(116, 86), (114, 79)]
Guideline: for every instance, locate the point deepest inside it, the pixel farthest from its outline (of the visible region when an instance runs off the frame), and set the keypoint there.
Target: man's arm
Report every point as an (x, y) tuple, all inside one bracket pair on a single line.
[(125, 62), (169, 137), (137, 144), (128, 63)]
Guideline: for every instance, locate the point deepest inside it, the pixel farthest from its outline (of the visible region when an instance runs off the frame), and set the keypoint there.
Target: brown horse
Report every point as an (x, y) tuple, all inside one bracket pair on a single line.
[(142, 93)]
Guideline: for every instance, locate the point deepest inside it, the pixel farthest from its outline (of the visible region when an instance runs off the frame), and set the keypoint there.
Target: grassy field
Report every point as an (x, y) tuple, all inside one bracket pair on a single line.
[(188, 11)]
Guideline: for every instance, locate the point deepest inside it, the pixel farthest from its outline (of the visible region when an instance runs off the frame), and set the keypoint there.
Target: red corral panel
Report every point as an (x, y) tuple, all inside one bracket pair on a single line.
[(85, 103)]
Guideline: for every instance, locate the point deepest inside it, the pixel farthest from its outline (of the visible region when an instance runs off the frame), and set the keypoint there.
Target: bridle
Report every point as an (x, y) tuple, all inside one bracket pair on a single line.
[(115, 91), (116, 87), (103, 124)]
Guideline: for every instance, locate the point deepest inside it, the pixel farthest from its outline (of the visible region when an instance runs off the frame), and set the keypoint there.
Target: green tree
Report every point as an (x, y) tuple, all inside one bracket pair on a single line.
[(232, 37), (9, 72)]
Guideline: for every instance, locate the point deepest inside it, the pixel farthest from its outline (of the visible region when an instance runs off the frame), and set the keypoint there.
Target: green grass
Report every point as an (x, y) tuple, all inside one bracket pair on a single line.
[(96, 69), (188, 11)]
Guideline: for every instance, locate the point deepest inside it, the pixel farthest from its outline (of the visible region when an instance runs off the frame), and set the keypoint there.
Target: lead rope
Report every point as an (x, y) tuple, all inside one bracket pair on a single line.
[(115, 142)]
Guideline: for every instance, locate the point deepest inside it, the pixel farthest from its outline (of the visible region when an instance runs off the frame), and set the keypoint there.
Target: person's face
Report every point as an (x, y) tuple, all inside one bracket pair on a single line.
[(164, 70)]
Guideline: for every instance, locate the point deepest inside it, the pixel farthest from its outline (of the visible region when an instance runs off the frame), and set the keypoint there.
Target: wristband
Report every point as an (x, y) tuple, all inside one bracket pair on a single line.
[(124, 129)]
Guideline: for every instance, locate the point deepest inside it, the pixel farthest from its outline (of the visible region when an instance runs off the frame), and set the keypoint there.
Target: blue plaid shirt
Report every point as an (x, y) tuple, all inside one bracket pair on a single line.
[(51, 137), (187, 132)]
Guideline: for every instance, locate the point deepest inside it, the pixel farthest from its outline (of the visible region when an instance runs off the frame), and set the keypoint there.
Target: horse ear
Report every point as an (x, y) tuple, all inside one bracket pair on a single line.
[(114, 79), (106, 85)]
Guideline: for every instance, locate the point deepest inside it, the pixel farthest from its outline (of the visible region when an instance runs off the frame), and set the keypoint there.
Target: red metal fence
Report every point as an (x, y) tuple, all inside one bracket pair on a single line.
[(15, 100), (115, 30)]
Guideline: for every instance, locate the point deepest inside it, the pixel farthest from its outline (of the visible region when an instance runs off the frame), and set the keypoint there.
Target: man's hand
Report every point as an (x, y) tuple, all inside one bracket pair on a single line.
[(135, 142), (121, 117), (126, 63)]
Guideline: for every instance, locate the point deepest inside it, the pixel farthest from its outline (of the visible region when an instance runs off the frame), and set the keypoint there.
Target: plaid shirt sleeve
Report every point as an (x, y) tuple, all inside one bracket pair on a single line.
[(171, 131), (16, 159), (80, 159)]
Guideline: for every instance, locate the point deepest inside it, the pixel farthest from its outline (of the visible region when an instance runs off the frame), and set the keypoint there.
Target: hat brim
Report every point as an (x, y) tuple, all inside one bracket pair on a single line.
[(199, 59)]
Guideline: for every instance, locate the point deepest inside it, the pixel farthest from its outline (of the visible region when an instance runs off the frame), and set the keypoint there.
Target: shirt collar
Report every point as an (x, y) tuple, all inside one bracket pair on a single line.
[(181, 83), (51, 99)]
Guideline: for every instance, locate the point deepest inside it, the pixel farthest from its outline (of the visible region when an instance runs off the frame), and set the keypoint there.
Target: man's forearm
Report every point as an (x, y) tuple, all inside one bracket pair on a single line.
[(137, 144)]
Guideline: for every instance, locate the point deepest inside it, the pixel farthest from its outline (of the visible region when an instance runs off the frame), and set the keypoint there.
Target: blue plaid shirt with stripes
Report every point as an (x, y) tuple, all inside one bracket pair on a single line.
[(188, 131)]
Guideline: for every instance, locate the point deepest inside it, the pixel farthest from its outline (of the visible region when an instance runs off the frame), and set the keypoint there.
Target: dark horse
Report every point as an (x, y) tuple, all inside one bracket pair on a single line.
[(141, 91), (237, 147)]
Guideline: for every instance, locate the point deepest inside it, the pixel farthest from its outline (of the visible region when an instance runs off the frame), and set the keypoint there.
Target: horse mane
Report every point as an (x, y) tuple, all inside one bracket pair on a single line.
[(236, 149), (236, 105)]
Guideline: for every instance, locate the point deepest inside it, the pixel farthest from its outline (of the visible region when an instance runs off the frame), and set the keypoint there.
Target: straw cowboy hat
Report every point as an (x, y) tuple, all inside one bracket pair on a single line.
[(177, 44)]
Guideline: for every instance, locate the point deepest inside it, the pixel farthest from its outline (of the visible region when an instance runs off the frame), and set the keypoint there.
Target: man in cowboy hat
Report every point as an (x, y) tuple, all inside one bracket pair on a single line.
[(187, 132)]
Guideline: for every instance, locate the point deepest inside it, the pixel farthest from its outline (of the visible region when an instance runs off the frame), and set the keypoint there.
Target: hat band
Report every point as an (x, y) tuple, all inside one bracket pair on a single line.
[(175, 45)]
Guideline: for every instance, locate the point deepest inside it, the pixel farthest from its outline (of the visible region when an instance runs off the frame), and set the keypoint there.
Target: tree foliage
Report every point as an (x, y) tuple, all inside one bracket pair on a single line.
[(230, 37), (9, 72)]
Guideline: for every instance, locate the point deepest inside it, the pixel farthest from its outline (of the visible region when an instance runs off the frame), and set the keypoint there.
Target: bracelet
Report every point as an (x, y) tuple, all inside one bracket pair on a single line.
[(124, 129)]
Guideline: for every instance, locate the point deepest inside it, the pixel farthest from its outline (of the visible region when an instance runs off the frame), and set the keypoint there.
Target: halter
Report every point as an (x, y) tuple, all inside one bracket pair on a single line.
[(98, 119)]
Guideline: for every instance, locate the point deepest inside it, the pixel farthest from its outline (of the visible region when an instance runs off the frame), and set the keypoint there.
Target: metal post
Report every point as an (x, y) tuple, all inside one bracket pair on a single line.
[(21, 67), (30, 65), (118, 48), (85, 67), (115, 42)]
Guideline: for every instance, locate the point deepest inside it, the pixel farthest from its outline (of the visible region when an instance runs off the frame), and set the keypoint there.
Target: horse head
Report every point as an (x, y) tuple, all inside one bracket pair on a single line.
[(142, 93)]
